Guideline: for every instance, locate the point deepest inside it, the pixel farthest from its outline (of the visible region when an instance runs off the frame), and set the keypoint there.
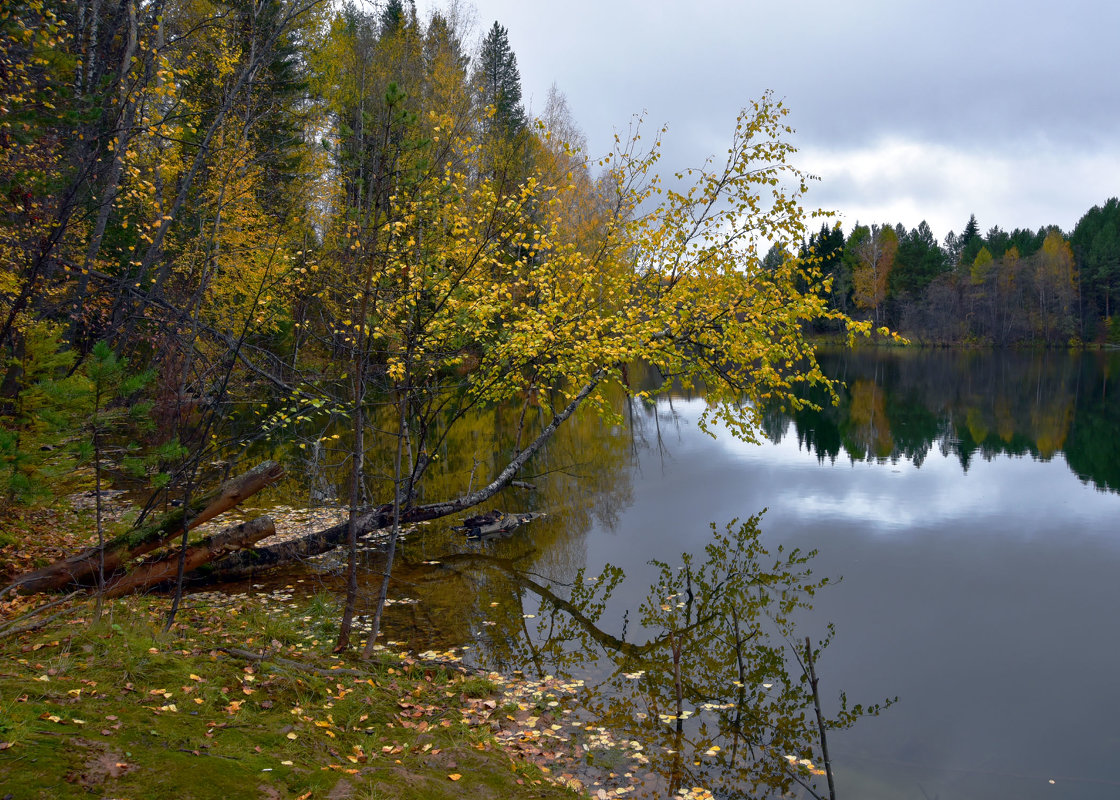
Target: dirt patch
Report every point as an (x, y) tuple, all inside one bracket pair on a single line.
[(102, 765), (341, 790), (402, 778)]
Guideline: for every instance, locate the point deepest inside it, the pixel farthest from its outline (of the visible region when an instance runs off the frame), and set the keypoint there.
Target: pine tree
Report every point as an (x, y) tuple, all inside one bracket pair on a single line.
[(970, 242), (392, 18), (499, 83)]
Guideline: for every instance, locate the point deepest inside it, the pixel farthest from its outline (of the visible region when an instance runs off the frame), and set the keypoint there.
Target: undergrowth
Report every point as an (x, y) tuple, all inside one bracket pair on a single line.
[(119, 708)]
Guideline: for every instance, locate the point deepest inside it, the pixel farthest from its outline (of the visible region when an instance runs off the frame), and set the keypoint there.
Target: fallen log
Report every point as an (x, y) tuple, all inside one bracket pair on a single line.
[(83, 566), (165, 567), (245, 563)]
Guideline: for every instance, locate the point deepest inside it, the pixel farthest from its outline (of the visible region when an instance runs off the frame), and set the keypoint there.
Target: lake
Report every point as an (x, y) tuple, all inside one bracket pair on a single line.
[(967, 504)]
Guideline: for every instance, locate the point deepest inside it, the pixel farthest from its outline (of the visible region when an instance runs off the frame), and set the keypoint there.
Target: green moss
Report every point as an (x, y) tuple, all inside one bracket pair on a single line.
[(477, 687), (118, 708)]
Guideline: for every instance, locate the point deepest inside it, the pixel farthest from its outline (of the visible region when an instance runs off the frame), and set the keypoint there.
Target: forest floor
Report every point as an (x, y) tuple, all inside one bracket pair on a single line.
[(114, 707)]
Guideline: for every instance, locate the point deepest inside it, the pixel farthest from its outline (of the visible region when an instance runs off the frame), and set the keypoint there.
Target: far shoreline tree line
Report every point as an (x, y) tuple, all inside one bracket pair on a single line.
[(996, 289)]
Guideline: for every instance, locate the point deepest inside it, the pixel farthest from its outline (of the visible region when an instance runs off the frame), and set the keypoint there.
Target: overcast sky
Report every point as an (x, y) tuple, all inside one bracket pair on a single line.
[(906, 110)]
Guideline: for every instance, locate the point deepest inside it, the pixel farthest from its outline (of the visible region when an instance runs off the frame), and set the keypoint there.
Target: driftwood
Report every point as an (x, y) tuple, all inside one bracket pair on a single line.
[(494, 522), (166, 567), (83, 566)]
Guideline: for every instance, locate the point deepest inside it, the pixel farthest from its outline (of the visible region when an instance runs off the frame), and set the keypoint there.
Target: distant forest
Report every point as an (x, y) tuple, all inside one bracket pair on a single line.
[(1000, 289)]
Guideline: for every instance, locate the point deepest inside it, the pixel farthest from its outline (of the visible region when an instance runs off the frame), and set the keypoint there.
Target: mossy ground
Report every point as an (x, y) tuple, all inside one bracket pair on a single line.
[(116, 708)]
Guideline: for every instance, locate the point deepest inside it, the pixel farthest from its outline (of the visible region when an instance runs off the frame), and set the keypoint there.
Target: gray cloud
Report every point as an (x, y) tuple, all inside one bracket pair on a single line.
[(1023, 83)]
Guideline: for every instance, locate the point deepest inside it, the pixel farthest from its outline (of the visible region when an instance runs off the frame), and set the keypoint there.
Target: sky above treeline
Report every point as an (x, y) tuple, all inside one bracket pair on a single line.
[(905, 110)]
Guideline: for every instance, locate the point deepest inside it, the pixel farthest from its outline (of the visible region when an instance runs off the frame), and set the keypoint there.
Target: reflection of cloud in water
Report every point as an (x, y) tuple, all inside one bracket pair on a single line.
[(1006, 494)]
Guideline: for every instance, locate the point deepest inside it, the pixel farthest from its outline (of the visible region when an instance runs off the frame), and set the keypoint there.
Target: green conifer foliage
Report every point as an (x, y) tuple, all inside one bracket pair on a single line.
[(499, 82)]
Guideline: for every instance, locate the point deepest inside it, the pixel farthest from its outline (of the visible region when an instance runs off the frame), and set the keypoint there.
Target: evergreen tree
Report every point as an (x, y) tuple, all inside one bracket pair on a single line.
[(998, 241), (441, 44), (828, 246), (392, 18), (969, 242), (971, 229), (499, 83), (918, 262), (1027, 242), (39, 417), (775, 257), (1096, 241)]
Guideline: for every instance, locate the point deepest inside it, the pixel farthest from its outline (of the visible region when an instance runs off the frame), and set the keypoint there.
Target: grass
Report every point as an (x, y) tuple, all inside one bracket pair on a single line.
[(118, 708)]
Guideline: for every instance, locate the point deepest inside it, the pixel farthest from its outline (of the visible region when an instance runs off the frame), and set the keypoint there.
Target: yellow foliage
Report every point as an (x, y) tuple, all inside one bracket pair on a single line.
[(555, 282)]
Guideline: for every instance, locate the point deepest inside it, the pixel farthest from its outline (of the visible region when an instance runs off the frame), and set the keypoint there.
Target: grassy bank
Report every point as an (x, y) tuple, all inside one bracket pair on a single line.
[(117, 708)]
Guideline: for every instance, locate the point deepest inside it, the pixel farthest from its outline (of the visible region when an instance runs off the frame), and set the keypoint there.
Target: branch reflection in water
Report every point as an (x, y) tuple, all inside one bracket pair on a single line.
[(714, 685)]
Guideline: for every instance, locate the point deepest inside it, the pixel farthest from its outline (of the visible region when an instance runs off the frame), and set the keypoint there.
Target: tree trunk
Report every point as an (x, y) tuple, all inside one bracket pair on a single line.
[(139, 541), (166, 567)]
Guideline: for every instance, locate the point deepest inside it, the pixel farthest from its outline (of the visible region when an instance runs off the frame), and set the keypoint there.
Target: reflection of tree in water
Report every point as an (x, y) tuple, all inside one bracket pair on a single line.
[(715, 691), (581, 476), (902, 404)]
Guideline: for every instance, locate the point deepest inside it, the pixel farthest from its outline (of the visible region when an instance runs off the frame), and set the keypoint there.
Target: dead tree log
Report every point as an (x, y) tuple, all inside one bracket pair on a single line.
[(82, 567), (245, 563), (164, 568)]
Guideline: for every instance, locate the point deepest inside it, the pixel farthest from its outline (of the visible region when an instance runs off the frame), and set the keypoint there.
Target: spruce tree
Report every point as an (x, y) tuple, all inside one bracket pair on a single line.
[(499, 82), (392, 18), (970, 242)]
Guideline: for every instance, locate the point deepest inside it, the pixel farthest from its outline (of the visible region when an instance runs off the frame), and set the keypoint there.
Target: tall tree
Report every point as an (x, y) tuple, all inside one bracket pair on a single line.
[(827, 247), (499, 83), (919, 260), (392, 18), (969, 242), (1055, 281), (874, 250), (1096, 241)]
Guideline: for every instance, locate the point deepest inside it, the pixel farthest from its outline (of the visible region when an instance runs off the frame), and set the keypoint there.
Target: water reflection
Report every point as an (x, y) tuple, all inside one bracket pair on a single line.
[(980, 589), (709, 677), (901, 405)]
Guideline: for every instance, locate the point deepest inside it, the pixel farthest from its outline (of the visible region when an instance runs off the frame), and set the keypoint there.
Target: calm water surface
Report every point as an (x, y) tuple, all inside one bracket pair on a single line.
[(970, 505)]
